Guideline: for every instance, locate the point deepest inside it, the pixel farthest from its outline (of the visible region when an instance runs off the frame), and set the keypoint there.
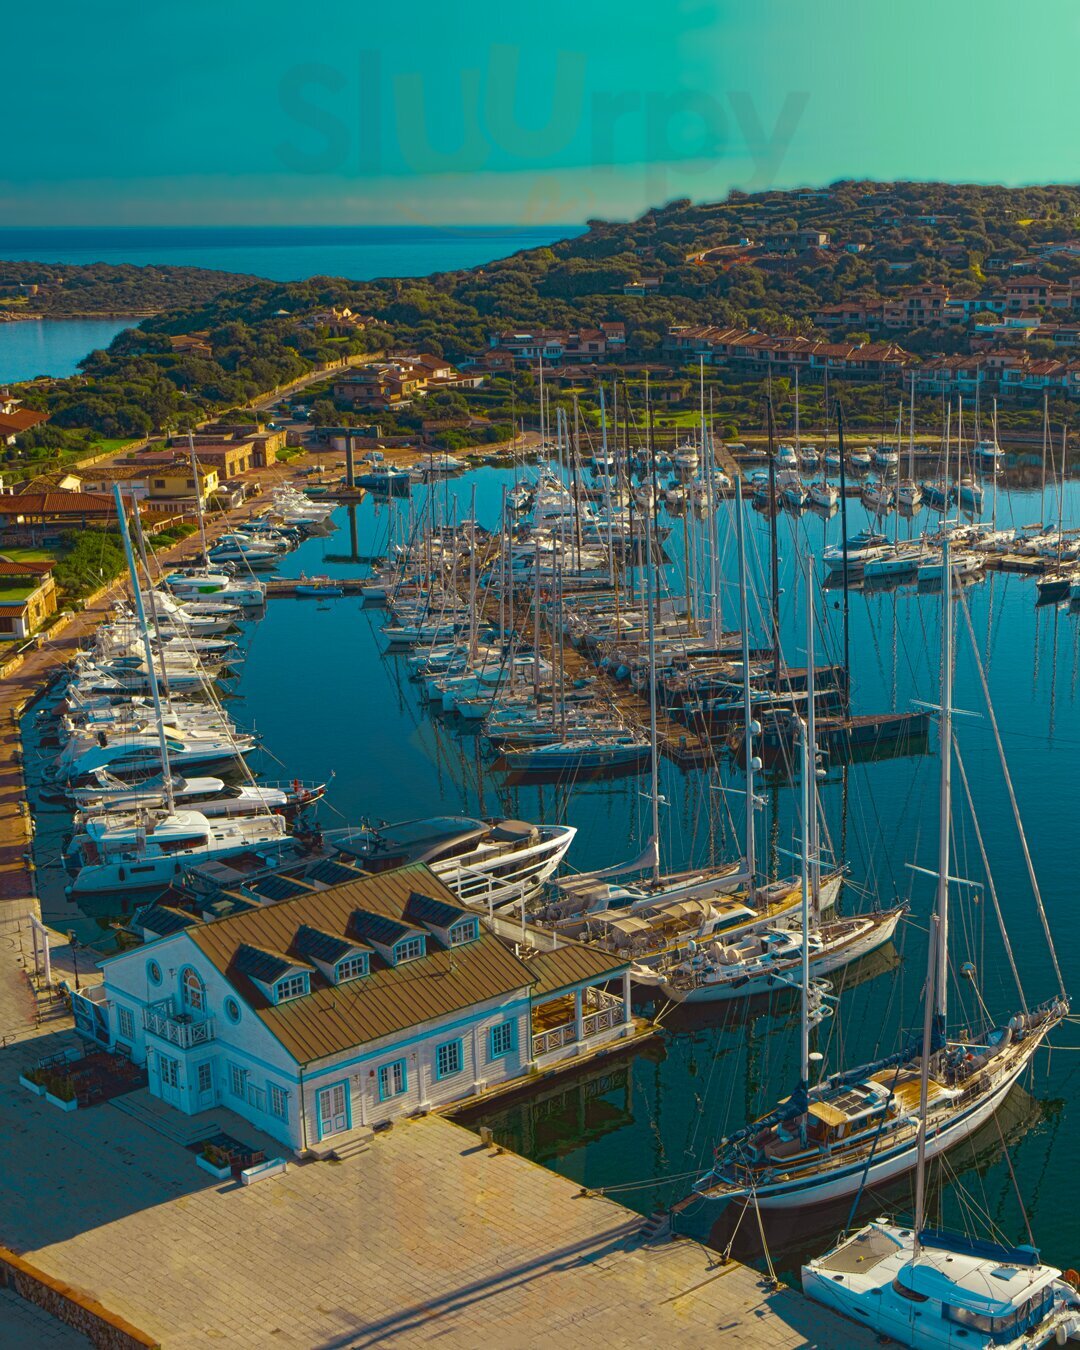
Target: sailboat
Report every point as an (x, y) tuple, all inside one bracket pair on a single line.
[(765, 962), (927, 1288), (149, 847), (864, 1127)]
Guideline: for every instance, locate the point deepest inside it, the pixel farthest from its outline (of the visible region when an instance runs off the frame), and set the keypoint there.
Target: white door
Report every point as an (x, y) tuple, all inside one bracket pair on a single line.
[(333, 1110), (204, 1083), (169, 1076)]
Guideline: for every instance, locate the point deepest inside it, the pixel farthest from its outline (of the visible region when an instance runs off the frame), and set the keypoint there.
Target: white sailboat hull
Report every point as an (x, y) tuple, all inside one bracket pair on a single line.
[(731, 989), (840, 1183)]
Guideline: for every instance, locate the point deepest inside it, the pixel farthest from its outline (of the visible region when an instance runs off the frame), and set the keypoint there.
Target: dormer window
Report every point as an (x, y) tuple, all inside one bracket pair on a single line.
[(351, 968), (466, 931), (408, 949), (292, 986)]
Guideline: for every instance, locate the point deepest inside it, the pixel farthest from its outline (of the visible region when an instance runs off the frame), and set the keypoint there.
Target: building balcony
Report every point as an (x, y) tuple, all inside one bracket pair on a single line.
[(179, 1029), (601, 1015)]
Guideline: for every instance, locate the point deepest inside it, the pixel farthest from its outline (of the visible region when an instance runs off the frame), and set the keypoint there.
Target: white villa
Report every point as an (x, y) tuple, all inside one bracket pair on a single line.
[(341, 1009)]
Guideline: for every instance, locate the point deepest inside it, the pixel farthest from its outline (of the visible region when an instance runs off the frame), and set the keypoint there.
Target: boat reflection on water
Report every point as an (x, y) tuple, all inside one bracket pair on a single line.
[(576, 1110), (794, 1236)]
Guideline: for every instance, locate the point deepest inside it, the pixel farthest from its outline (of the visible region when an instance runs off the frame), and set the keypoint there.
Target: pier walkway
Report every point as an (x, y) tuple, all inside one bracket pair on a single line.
[(427, 1238)]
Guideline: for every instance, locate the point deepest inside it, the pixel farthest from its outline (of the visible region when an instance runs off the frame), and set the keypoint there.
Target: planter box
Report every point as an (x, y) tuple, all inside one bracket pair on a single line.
[(273, 1167), (38, 1089), (222, 1173), (72, 1105)]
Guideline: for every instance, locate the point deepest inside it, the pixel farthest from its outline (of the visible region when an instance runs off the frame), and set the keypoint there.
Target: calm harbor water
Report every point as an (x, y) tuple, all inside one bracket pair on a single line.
[(52, 346), (324, 696), (285, 253)]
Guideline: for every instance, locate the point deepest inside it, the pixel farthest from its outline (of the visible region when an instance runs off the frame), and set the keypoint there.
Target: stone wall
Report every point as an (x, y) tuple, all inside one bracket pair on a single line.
[(103, 1328)]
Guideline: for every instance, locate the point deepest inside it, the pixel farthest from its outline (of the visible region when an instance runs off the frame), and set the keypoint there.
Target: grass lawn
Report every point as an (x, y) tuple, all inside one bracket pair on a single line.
[(28, 554), (109, 444), (13, 595)]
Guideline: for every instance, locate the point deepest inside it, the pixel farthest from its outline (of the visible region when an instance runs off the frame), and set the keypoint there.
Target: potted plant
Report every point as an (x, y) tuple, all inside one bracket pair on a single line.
[(60, 1091), (34, 1081), (215, 1160)]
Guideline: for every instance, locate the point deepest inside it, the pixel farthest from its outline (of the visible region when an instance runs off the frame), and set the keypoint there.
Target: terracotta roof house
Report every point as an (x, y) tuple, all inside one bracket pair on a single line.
[(27, 597)]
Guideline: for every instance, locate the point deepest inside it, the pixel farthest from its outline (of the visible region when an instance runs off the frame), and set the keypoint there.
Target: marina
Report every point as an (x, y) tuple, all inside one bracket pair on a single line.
[(699, 779)]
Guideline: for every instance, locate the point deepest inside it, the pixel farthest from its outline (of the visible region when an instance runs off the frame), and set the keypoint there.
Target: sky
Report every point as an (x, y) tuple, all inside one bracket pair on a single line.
[(129, 113)]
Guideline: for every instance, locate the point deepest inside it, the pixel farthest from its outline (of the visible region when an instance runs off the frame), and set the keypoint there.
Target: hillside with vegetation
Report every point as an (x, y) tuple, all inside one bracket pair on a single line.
[(753, 261), (62, 290)]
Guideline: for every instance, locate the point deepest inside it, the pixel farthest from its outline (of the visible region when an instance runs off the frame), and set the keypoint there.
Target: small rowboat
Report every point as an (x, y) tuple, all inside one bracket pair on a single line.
[(319, 586)]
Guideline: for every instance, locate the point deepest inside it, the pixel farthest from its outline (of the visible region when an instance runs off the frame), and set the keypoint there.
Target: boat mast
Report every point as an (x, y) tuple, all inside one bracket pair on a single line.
[(774, 553), (1045, 437), (473, 647), (654, 756), (844, 548), (151, 673), (911, 435), (993, 510), (198, 498), (810, 826), (936, 993), (748, 724), (804, 854)]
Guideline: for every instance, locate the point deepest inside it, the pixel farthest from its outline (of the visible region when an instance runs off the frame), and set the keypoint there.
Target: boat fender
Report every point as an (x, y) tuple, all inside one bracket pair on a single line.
[(122, 874)]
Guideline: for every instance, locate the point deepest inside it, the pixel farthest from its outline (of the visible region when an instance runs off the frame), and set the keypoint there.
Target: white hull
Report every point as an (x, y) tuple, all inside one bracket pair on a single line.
[(490, 878), (845, 1181), (785, 976)]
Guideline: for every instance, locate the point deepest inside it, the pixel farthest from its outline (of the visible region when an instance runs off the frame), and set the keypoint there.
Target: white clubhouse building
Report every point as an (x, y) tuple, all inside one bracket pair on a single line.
[(346, 1007)]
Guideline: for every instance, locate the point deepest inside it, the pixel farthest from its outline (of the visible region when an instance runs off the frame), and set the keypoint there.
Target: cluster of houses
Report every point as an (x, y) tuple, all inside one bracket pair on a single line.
[(582, 346), (1025, 297), (380, 386), (322, 1016), (748, 347)]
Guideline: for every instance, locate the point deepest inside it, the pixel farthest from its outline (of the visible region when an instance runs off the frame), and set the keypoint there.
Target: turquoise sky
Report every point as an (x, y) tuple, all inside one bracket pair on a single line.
[(211, 113)]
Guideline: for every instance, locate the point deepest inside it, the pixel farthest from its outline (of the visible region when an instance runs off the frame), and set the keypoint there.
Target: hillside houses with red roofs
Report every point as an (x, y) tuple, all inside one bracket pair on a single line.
[(583, 346), (723, 346), (15, 419), (394, 383)]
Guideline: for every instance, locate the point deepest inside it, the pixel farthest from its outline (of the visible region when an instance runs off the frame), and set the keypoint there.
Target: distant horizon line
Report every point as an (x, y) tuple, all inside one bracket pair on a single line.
[(501, 226)]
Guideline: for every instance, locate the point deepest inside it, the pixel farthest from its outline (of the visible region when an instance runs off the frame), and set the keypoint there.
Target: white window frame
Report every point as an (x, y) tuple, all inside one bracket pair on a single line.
[(168, 1071), (204, 1070), (504, 1031), (238, 1081), (351, 968), (408, 949), (393, 1080), (192, 990), (457, 1048), (277, 1100), (290, 987), (125, 1023), (463, 931)]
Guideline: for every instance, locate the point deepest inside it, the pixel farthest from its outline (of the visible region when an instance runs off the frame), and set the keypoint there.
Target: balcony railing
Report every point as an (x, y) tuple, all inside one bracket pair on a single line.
[(179, 1029), (554, 1039), (601, 1012)]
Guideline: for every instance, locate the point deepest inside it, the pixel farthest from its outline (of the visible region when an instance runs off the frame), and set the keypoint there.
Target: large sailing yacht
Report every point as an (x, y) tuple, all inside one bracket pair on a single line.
[(864, 1127)]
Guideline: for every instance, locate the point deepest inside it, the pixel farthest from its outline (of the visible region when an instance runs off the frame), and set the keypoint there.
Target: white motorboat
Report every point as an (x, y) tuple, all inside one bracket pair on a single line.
[(148, 850), (860, 549), (194, 582), (824, 494), (486, 863)]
